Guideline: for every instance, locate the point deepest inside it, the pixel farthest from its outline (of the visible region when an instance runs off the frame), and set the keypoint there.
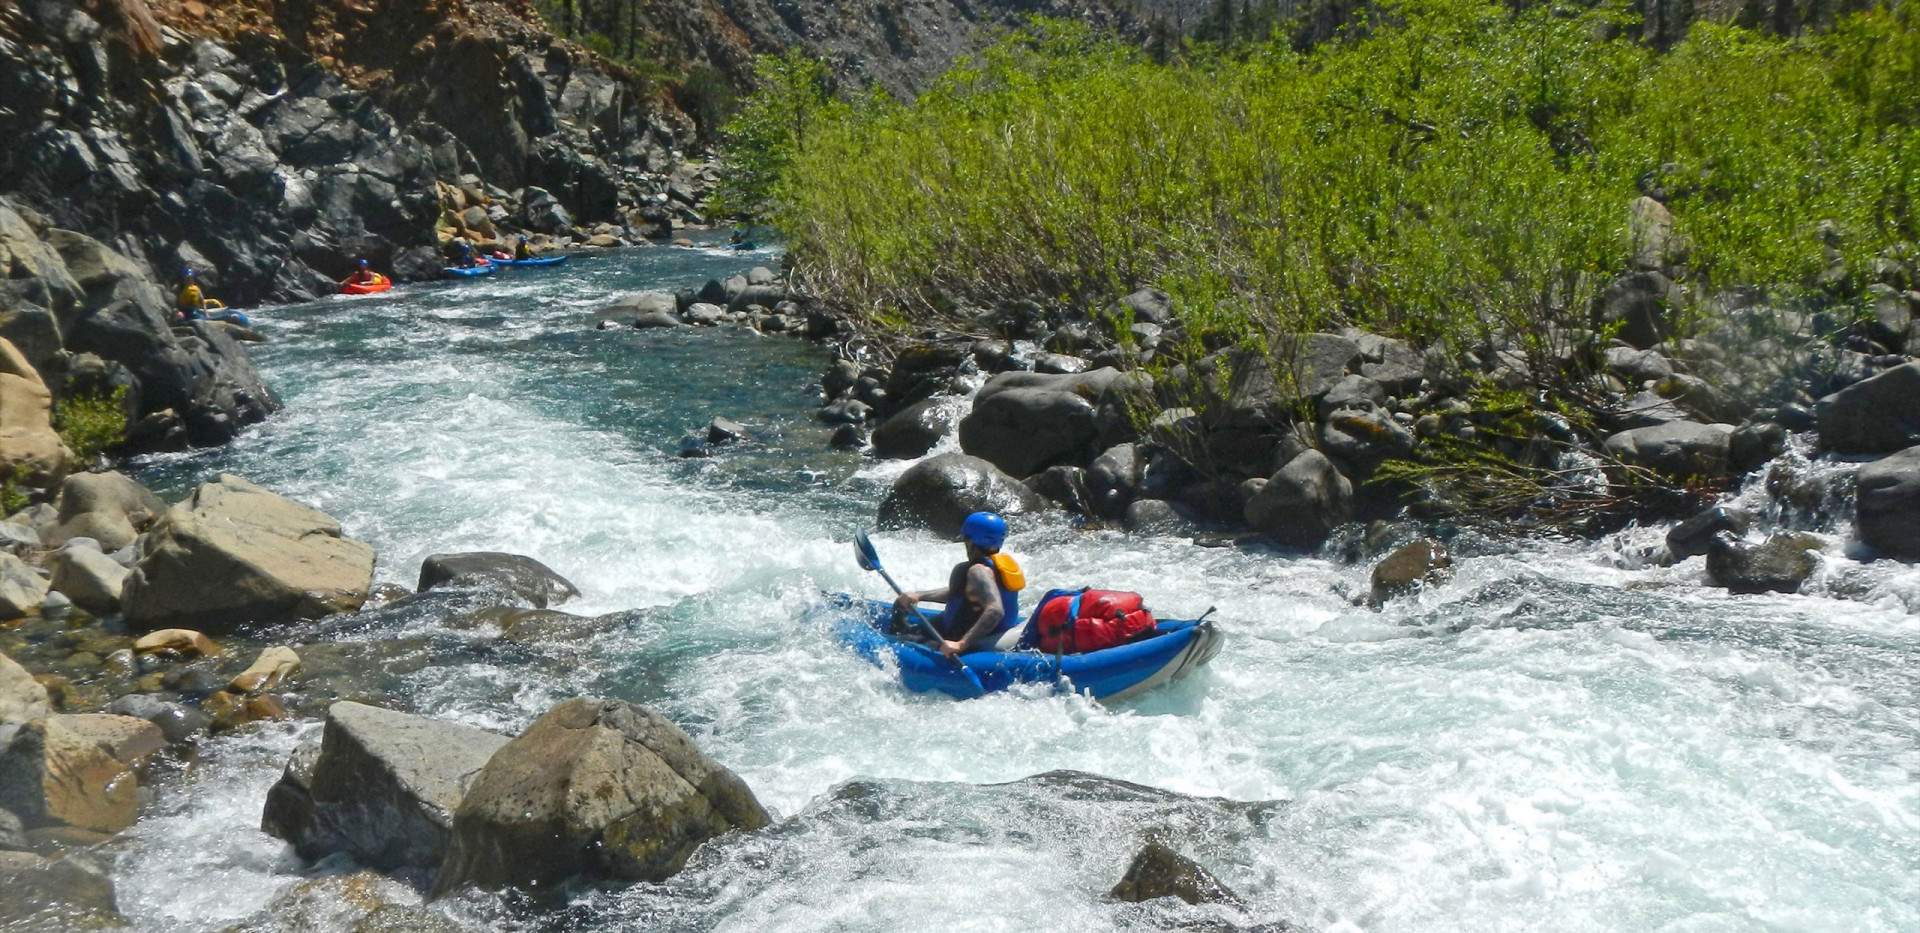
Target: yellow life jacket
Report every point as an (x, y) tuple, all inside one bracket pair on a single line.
[(1011, 577), (189, 297)]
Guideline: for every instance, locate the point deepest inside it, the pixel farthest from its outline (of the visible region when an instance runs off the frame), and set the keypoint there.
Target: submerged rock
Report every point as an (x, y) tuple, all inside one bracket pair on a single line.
[(1888, 505), (381, 786), (1695, 536), (1158, 871), (1779, 565), (940, 492), (363, 902), (64, 894), (595, 787), (1407, 569), (510, 576), (235, 553)]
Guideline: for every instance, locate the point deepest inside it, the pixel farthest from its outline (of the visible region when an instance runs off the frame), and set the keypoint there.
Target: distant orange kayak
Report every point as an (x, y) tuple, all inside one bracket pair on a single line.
[(380, 283)]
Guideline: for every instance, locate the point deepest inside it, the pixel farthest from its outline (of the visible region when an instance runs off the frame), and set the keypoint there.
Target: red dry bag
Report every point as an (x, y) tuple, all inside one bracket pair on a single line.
[(1091, 620)]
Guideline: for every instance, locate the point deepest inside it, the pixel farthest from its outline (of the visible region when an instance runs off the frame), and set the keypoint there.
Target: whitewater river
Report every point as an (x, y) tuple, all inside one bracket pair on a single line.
[(1561, 738)]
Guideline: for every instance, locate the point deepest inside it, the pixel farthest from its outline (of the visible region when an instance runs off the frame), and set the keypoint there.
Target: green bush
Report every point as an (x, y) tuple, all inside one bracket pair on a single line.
[(1443, 170), (90, 425)]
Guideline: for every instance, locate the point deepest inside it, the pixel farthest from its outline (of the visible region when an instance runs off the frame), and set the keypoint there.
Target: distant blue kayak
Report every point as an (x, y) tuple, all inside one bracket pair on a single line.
[(1175, 649), (539, 261), (485, 268), (229, 317)]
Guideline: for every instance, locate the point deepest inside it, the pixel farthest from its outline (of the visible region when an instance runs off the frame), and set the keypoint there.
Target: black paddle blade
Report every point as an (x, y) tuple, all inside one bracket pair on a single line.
[(864, 553)]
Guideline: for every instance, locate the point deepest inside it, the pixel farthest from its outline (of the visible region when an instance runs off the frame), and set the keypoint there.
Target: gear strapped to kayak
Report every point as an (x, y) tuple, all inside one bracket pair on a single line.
[(1090, 620)]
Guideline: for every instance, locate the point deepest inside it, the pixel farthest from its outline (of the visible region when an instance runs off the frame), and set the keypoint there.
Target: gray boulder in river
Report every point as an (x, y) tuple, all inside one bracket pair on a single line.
[(1874, 416), (915, 429), (234, 553), (1025, 422), (510, 576), (1888, 505), (381, 786), (1301, 503), (1680, 450), (594, 787), (940, 492)]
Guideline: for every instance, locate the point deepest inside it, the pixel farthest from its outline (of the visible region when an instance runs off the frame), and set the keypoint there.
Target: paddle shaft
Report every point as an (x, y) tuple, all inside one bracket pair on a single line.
[(870, 559)]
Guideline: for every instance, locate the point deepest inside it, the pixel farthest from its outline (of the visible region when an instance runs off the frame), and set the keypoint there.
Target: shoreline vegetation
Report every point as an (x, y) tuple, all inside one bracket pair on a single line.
[(1568, 228)]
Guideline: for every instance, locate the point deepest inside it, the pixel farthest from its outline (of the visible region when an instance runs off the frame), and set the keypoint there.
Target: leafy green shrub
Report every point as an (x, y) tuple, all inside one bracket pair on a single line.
[(90, 425)]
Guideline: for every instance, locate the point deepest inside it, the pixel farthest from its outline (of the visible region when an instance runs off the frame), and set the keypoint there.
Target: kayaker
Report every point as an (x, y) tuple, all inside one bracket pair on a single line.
[(981, 594), (465, 260), (521, 251), (188, 303), (361, 275)]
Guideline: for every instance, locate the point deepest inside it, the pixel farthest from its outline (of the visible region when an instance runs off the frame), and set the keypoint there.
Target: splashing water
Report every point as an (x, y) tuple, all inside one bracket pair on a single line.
[(1561, 737)]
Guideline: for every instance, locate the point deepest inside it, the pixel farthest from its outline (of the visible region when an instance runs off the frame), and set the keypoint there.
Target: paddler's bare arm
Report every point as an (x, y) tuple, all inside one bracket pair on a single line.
[(982, 591)]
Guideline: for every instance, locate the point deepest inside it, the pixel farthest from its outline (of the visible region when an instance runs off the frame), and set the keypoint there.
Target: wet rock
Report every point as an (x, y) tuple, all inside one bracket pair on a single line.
[(1779, 565), (845, 411), (1158, 871), (1157, 517), (704, 315), (847, 437), (1026, 422), (725, 431), (21, 590), (1409, 568), (916, 429), (1751, 446), (362, 902), (177, 721), (840, 377), (1302, 503), (21, 697), (64, 894), (77, 770), (632, 307), (235, 553), (940, 492), (509, 576), (91, 579), (382, 787), (107, 507), (1888, 505), (595, 787), (1113, 477), (1682, 450), (13, 834), (1876, 416), (269, 671), (178, 643), (1065, 486), (1694, 536), (230, 710), (654, 319)]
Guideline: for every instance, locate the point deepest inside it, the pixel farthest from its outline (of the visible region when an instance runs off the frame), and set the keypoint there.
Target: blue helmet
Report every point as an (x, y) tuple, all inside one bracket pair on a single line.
[(363, 264), (186, 273), (984, 529)]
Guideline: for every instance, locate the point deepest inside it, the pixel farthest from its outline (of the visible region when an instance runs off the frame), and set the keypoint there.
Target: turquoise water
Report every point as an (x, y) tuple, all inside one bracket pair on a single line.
[(1561, 738)]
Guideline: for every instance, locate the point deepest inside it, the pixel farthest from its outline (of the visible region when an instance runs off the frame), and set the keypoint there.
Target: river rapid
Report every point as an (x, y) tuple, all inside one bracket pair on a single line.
[(1563, 737)]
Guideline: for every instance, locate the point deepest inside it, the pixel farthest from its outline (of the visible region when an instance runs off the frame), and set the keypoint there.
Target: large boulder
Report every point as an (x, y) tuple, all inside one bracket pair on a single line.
[(1888, 505), (22, 591), (631, 308), (595, 787), (1778, 565), (91, 579), (940, 492), (1695, 536), (1407, 569), (234, 553), (1874, 416), (509, 576), (382, 787), (28, 444), (63, 894), (1301, 503), (1025, 422), (77, 770), (914, 430), (108, 507), (1680, 450), (22, 698)]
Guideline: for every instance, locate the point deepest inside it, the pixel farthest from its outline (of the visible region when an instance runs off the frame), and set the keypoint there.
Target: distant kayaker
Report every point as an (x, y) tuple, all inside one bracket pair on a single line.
[(188, 303), (465, 259), (981, 594), (362, 275), (521, 251)]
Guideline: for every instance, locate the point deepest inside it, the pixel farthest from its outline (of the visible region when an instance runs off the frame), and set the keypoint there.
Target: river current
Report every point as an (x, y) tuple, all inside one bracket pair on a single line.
[(1563, 737)]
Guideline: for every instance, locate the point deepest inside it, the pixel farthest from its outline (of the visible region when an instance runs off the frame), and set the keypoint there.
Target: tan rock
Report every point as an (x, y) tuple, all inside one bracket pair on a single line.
[(235, 553), (230, 710), (1407, 569), (108, 507), (91, 579), (21, 697), (603, 240), (21, 590), (28, 444), (77, 770), (184, 642), (268, 671)]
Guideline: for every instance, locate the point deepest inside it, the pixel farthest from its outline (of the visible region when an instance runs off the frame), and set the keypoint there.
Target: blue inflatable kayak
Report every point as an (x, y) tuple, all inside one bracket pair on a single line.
[(484, 268), (540, 261), (1176, 648), (229, 317)]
